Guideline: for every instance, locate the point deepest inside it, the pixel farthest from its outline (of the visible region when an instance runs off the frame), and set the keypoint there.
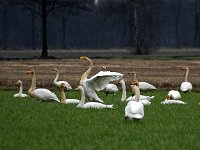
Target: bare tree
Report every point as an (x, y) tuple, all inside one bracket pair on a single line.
[(176, 7), (44, 7)]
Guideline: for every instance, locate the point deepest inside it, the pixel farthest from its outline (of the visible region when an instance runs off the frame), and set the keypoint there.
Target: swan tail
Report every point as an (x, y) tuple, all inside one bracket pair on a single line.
[(109, 106)]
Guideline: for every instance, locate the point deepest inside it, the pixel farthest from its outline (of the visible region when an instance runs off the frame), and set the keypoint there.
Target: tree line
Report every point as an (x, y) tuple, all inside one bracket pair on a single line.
[(140, 25)]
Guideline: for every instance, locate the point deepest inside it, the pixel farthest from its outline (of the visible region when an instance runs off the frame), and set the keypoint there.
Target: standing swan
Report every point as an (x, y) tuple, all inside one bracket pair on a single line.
[(143, 85), (97, 82), (20, 94), (82, 104), (58, 83), (63, 98), (134, 110), (41, 93), (186, 86)]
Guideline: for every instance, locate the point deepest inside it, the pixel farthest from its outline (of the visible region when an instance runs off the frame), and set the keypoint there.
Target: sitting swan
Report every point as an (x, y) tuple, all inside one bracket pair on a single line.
[(168, 101), (186, 86), (63, 98), (146, 100), (134, 110), (82, 104), (20, 94), (40, 93), (110, 88), (97, 82), (143, 85), (174, 95), (58, 83)]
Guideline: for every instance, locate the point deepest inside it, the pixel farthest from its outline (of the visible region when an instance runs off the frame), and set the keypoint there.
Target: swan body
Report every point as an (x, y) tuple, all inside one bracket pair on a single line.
[(63, 97), (58, 83), (169, 101), (82, 104), (143, 85), (186, 86), (134, 110), (40, 93), (20, 94), (146, 86), (174, 95), (97, 82), (110, 89)]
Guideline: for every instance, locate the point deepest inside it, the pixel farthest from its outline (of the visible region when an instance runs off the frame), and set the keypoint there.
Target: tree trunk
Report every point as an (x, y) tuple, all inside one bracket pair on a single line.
[(44, 31), (136, 26)]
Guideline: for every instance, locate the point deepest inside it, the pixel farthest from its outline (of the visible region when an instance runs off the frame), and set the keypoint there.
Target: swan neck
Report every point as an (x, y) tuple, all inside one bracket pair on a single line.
[(33, 84), (87, 72), (134, 77), (57, 75), (20, 89), (186, 75), (123, 91), (82, 96), (137, 93), (62, 95)]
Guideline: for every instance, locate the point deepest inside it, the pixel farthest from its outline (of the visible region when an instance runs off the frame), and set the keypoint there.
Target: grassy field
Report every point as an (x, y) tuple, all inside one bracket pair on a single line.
[(29, 124)]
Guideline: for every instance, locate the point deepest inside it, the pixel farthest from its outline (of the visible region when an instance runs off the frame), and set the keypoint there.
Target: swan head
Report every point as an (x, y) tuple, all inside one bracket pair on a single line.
[(167, 97), (78, 88), (62, 86), (55, 69), (121, 81), (84, 58), (135, 82), (31, 72), (185, 68), (132, 72), (104, 68), (18, 82)]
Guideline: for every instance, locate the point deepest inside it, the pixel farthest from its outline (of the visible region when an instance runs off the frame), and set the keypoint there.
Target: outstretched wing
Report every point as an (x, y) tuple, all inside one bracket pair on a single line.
[(101, 79)]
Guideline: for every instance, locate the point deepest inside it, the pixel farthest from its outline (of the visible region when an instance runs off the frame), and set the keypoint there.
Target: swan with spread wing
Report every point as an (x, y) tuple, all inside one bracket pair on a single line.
[(97, 82)]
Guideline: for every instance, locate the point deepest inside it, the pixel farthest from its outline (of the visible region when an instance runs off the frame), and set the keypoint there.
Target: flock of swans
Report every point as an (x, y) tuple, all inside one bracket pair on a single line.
[(88, 87)]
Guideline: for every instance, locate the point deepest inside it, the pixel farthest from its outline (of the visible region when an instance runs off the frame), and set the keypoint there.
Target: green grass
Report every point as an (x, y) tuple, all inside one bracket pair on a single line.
[(29, 124)]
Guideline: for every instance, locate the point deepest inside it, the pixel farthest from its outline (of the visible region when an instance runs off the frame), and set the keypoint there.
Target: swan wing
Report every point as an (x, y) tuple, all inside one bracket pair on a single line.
[(101, 79), (174, 94), (71, 101), (96, 105), (45, 94), (186, 86), (146, 86), (67, 85), (134, 110), (168, 102)]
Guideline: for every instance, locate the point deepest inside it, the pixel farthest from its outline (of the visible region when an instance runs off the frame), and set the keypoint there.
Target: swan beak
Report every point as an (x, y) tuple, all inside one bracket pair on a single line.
[(184, 68)]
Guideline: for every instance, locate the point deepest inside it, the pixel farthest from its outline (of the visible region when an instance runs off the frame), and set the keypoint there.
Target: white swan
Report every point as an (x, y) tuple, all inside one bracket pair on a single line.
[(58, 83), (82, 104), (169, 101), (110, 88), (20, 94), (97, 82), (143, 85), (134, 110), (63, 97), (174, 95), (146, 100), (40, 93), (186, 86)]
